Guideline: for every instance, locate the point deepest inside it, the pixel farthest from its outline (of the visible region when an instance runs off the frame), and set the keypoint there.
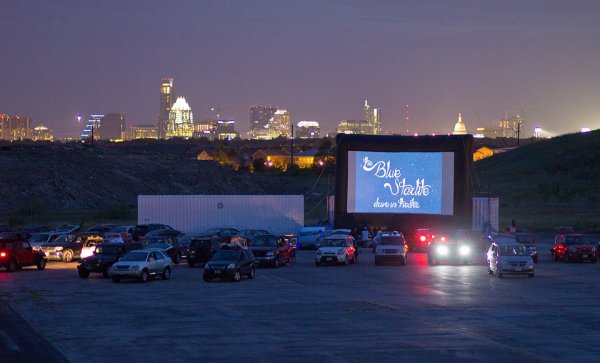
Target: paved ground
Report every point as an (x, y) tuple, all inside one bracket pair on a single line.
[(304, 313)]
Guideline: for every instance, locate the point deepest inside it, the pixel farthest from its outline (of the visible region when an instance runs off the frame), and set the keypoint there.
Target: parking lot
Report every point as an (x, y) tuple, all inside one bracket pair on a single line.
[(356, 313)]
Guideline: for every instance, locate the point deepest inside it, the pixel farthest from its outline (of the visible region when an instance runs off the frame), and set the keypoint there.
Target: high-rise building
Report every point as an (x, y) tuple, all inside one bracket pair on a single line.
[(181, 120), (280, 124), (361, 127), (259, 121), (4, 127), (372, 115), (42, 133), (135, 132), (308, 130), (167, 98), (225, 130), (15, 128), (108, 126)]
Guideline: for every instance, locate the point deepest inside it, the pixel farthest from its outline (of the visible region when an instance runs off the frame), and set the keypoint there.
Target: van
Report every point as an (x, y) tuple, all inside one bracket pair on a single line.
[(307, 237)]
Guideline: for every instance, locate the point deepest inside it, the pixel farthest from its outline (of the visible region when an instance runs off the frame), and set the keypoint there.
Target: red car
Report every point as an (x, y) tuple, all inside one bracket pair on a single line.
[(575, 247), (15, 254)]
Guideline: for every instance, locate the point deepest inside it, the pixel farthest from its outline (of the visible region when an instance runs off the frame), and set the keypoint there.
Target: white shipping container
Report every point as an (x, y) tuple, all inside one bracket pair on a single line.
[(196, 213), (486, 210)]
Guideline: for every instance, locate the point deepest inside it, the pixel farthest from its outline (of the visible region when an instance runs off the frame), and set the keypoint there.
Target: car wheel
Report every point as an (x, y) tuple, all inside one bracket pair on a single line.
[(166, 273), (499, 272), (207, 278), (177, 259), (251, 273), (12, 266), (191, 264), (84, 274), (530, 275), (68, 256), (116, 279), (144, 276), (41, 265), (237, 276), (535, 259), (403, 261)]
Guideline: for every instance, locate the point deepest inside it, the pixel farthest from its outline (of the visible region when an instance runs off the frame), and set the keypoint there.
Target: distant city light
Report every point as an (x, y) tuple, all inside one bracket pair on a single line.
[(537, 131), (585, 129)]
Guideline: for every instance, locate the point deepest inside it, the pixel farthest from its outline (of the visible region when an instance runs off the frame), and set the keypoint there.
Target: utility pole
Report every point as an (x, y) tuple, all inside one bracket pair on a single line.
[(292, 150)]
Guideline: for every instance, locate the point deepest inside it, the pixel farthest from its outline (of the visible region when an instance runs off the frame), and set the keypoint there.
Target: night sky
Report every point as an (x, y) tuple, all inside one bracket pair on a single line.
[(318, 59)]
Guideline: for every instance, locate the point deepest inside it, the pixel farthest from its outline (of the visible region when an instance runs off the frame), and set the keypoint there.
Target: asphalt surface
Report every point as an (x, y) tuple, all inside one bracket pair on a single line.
[(302, 313)]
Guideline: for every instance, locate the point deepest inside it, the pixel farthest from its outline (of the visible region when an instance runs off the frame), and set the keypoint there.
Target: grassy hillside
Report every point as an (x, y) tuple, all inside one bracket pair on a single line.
[(546, 184)]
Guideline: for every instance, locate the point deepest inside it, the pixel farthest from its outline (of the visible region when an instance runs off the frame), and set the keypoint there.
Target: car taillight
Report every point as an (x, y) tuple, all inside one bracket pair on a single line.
[(443, 238), (2, 254), (349, 250), (423, 238)]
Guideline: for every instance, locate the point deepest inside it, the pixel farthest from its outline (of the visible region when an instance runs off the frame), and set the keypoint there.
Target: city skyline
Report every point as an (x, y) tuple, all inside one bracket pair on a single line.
[(318, 60)]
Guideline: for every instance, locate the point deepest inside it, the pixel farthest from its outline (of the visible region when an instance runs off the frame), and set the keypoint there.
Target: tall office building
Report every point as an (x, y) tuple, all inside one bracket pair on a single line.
[(280, 125), (108, 126), (181, 120), (15, 128), (259, 121), (167, 98), (4, 126), (360, 127), (372, 115)]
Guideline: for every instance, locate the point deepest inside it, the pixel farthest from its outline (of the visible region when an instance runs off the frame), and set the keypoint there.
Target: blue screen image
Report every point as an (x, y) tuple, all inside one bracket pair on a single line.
[(400, 182)]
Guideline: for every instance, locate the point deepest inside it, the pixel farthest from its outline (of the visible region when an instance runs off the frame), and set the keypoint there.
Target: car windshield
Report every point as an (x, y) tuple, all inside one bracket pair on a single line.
[(512, 250), (264, 241), (135, 256), (40, 237), (107, 250), (577, 241), (392, 240), (334, 243), (64, 238), (162, 246), (231, 255)]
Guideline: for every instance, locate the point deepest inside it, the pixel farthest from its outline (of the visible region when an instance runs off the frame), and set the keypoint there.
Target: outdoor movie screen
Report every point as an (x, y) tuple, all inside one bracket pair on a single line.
[(400, 182)]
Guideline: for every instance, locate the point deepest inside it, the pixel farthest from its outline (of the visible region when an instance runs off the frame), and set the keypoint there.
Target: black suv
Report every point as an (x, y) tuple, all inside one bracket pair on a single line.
[(68, 247), (16, 253), (232, 262), (202, 250), (103, 258)]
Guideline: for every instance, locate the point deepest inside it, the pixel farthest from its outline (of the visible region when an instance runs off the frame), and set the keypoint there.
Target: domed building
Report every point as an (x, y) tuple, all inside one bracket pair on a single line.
[(42, 133), (459, 127), (181, 120)]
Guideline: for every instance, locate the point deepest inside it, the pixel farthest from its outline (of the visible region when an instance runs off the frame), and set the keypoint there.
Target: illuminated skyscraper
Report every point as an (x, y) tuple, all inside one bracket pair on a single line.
[(308, 130), (15, 128), (167, 98), (42, 133), (181, 120), (372, 116), (259, 121)]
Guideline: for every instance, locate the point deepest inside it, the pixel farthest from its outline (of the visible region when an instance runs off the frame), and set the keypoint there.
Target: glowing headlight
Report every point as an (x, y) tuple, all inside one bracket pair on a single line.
[(464, 250), (442, 250), (59, 248), (231, 265)]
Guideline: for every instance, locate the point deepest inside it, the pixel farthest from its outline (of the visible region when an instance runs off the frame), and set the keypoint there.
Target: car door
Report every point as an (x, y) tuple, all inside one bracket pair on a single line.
[(19, 253), (27, 251), (152, 262)]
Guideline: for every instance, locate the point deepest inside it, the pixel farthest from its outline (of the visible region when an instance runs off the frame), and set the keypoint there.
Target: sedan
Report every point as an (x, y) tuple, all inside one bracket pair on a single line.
[(141, 265)]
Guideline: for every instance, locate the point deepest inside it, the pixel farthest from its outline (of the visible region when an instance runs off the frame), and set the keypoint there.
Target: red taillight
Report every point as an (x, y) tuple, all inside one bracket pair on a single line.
[(349, 250), (443, 238), (2, 254), (423, 238)]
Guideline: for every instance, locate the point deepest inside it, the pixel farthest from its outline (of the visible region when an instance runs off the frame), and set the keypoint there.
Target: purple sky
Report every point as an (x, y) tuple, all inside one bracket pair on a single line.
[(319, 59)]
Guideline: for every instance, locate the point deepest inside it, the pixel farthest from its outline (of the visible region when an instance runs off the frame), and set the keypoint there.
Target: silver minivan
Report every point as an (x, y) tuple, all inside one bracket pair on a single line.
[(509, 258)]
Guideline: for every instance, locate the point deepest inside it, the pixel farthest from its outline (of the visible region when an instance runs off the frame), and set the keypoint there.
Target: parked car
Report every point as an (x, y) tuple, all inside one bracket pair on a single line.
[(391, 247), (17, 253), (375, 240), (139, 232), (141, 265), (202, 249), (332, 232), (509, 258), (169, 245), (67, 247), (449, 247), (226, 235), (104, 256), (574, 248), (249, 234), (67, 228), (182, 238), (271, 250), (40, 239), (292, 239), (119, 234), (421, 239), (336, 250), (307, 237), (526, 239), (231, 262), (101, 228)]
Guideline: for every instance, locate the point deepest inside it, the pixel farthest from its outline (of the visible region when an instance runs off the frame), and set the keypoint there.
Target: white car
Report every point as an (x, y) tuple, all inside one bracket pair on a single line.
[(391, 247), (142, 264), (332, 232), (509, 258), (337, 250)]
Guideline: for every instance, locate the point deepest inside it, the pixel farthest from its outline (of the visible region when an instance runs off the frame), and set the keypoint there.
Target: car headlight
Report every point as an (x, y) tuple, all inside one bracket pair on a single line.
[(464, 250), (231, 265), (340, 252), (134, 268), (442, 250), (59, 248)]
